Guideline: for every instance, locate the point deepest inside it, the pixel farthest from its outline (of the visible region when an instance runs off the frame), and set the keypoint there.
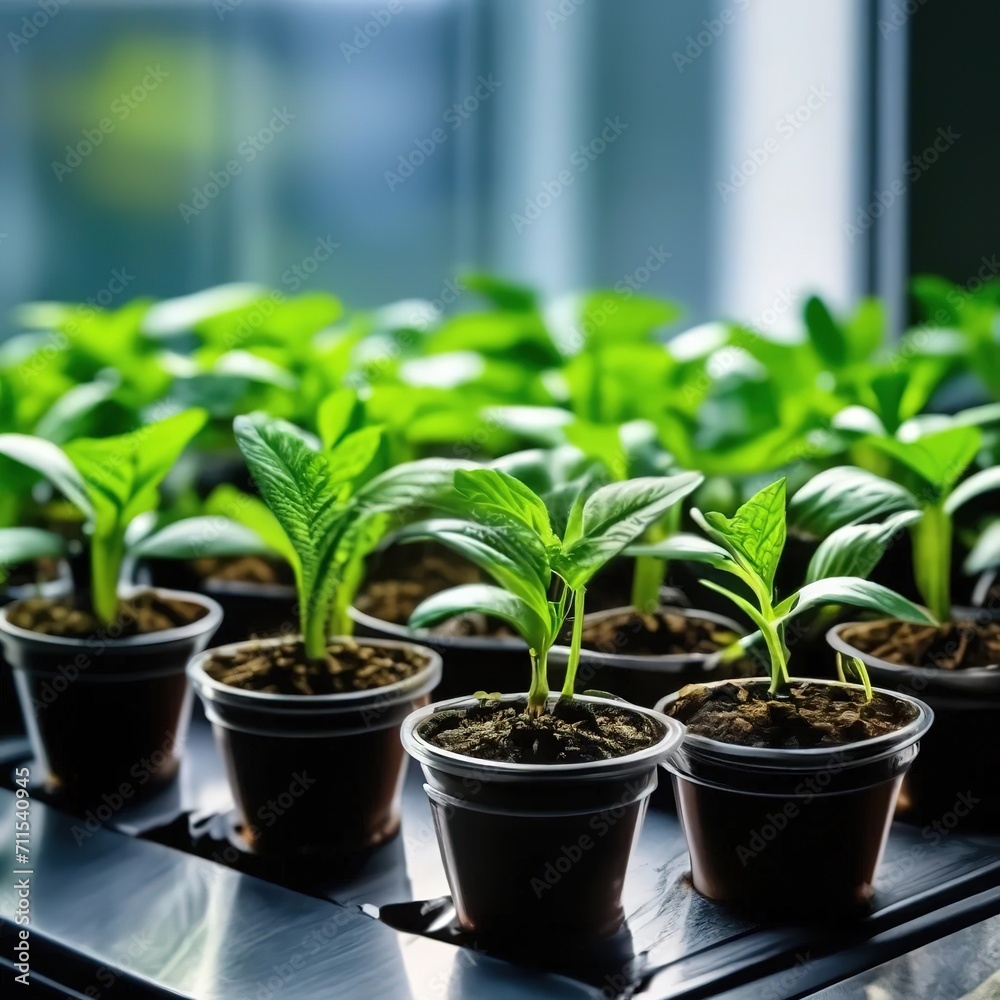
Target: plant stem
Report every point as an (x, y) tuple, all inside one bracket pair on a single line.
[(932, 559), (106, 554), (341, 622), (538, 693), (314, 633), (647, 579), (779, 656), (575, 644)]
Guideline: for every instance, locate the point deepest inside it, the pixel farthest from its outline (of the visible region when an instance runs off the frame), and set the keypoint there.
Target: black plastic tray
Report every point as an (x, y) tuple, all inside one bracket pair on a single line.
[(676, 945)]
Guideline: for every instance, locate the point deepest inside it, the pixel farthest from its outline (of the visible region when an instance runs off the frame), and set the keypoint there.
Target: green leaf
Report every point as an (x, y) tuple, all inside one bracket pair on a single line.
[(687, 548), (495, 497), (353, 454), (65, 419), (408, 488), (825, 335), (199, 537), (487, 600), (856, 593), (228, 502), (615, 515), (939, 458), (846, 495), (23, 545), (985, 553), (337, 415), (755, 534), (512, 556), (855, 549), (53, 463), (974, 486), (296, 484)]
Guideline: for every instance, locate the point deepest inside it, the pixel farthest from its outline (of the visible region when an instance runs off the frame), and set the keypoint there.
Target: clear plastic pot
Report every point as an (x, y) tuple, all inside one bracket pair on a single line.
[(532, 849), (955, 779), (786, 831), (314, 775), (471, 663), (107, 716), (644, 680)]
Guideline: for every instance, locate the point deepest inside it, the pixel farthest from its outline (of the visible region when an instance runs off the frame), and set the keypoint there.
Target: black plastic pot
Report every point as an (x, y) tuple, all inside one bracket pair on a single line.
[(316, 776), (955, 782), (791, 832), (107, 716), (11, 719), (533, 851), (644, 680), (471, 663)]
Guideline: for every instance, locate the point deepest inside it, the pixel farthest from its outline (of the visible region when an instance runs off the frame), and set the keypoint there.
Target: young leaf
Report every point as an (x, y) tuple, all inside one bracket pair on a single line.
[(339, 414), (846, 495), (617, 514), (825, 335), (499, 498), (228, 502), (756, 532), (974, 486), (200, 537), (296, 483), (353, 454), (487, 600), (857, 593), (686, 547), (855, 549), (939, 458), (985, 553), (52, 462), (23, 545)]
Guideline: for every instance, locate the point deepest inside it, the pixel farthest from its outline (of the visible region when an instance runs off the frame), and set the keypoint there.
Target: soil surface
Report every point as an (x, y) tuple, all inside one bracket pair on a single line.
[(814, 715), (144, 612), (284, 669), (950, 646), (573, 732), (393, 599), (657, 633), (247, 569)]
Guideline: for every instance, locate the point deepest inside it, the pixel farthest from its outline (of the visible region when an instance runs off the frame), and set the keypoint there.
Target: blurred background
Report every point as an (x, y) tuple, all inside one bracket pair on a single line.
[(733, 155)]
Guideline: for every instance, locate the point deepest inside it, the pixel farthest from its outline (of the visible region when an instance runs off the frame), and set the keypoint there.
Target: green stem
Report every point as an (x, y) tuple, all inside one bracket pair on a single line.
[(538, 693), (341, 622), (575, 643), (932, 559), (647, 579), (779, 659), (106, 555)]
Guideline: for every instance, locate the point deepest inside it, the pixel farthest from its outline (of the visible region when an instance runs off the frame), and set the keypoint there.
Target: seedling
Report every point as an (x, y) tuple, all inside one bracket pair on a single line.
[(541, 556), (111, 481), (749, 546), (932, 466), (329, 515)]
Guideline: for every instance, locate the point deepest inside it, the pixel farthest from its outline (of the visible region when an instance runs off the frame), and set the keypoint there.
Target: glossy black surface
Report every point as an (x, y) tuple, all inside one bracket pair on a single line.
[(127, 916)]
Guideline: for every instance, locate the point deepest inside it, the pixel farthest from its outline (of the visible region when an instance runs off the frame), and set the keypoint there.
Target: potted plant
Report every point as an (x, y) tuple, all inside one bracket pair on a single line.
[(551, 789), (471, 643), (652, 646), (320, 710), (100, 674), (950, 663), (814, 766)]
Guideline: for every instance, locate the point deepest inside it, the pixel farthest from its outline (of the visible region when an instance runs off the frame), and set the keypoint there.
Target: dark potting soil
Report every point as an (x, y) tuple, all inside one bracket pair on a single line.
[(284, 668), (394, 598), (950, 646), (246, 569), (814, 715), (573, 732), (657, 633), (144, 612)]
